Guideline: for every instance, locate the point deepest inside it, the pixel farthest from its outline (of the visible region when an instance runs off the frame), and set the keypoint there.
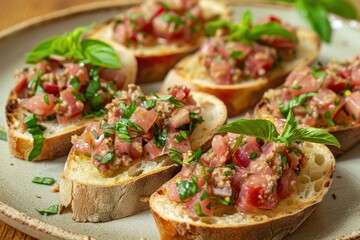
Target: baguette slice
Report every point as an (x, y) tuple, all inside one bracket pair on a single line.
[(57, 137), (348, 136), (94, 198), (241, 96), (163, 57), (314, 182)]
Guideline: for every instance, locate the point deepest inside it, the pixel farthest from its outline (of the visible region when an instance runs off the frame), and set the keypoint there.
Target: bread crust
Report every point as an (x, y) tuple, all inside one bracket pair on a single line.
[(56, 144), (242, 96), (99, 201), (154, 62), (347, 136), (284, 222)]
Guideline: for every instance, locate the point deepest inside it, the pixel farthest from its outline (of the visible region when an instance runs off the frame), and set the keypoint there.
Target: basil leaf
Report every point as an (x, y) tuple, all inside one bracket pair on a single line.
[(41, 51), (272, 29), (341, 7), (129, 110), (257, 128), (3, 135), (100, 53), (159, 136), (236, 55), (246, 19), (296, 101), (44, 180), (37, 132), (187, 189), (60, 46), (317, 17), (50, 210), (290, 125), (314, 135), (211, 27)]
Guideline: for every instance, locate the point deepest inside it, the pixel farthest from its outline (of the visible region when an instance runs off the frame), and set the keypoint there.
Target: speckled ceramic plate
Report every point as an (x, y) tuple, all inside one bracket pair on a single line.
[(336, 216)]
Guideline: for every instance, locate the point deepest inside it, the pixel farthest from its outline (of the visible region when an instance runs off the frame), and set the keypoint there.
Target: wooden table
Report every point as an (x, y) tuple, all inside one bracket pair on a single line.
[(15, 11)]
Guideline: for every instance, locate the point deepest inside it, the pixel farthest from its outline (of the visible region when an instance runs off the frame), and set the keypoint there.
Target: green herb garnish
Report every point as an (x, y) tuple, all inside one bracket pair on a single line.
[(70, 46), (3, 135), (265, 129), (75, 83), (296, 101), (49, 211), (246, 32), (44, 180), (187, 189), (329, 119), (38, 136), (316, 13)]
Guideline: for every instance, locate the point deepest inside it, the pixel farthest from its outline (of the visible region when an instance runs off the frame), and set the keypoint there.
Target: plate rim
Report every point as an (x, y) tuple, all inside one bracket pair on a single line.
[(41, 229)]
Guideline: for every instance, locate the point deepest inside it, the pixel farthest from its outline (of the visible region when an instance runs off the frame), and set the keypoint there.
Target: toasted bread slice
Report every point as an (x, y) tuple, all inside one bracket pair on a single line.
[(163, 57), (97, 199), (241, 96), (313, 183), (57, 137)]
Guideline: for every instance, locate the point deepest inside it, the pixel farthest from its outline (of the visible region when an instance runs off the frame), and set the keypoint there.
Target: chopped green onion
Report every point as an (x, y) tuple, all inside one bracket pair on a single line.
[(253, 155)]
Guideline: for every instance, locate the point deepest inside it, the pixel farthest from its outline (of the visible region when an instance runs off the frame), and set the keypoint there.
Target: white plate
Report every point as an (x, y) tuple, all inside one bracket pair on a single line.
[(335, 216)]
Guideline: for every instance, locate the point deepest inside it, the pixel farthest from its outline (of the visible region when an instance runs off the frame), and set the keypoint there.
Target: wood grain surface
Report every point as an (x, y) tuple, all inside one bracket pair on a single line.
[(16, 11)]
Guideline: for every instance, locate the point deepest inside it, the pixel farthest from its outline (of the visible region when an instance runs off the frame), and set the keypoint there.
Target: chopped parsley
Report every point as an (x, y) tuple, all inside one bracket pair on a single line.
[(187, 189)]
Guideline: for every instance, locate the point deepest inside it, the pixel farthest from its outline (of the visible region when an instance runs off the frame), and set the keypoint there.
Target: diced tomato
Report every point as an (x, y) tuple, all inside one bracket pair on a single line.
[(182, 146), (338, 85), (172, 192), (180, 117), (190, 205), (355, 76), (67, 96), (219, 145), (242, 155), (38, 106), (255, 194), (338, 108), (221, 72), (144, 118), (65, 120), (325, 97), (51, 88), (259, 61), (301, 81), (165, 29), (75, 70), (180, 92), (117, 76), (151, 151), (21, 85), (86, 142), (133, 148), (286, 184), (353, 104), (273, 18)]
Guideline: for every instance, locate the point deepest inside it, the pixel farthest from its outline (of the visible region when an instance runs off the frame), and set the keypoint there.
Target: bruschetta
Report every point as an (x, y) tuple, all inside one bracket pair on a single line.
[(118, 162), (160, 33), (243, 60), (69, 83), (252, 184), (323, 96)]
